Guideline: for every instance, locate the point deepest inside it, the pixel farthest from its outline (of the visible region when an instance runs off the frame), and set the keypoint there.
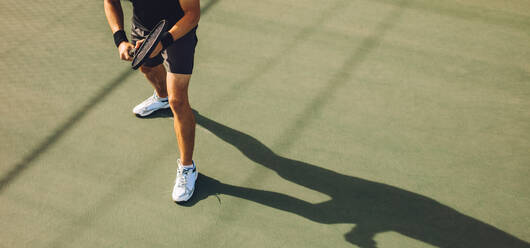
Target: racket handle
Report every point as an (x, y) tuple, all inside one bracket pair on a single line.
[(132, 52)]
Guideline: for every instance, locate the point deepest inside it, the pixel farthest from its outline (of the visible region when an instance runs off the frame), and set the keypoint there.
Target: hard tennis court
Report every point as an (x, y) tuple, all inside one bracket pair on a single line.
[(343, 123)]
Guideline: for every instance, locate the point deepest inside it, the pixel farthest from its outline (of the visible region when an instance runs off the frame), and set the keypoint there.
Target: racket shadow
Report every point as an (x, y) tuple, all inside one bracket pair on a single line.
[(373, 207)]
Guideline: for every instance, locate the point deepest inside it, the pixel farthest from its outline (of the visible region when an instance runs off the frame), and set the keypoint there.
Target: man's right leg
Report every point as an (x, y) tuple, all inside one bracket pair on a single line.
[(156, 75), (184, 125), (155, 72)]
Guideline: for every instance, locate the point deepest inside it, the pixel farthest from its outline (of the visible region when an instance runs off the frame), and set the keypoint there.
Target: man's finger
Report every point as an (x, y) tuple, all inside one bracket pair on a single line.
[(131, 52), (139, 43)]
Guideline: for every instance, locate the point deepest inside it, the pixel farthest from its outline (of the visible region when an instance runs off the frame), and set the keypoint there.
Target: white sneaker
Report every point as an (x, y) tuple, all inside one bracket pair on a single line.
[(151, 105), (184, 183)]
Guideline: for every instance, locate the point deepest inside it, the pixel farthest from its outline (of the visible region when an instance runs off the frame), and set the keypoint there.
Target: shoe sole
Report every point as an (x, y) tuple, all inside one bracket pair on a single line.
[(184, 201), (150, 112)]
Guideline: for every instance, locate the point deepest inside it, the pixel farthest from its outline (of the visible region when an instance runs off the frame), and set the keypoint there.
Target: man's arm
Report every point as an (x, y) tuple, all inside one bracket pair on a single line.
[(114, 14), (192, 14)]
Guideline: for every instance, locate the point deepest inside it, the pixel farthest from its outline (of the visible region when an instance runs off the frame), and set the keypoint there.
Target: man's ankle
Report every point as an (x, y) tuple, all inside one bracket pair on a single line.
[(187, 164)]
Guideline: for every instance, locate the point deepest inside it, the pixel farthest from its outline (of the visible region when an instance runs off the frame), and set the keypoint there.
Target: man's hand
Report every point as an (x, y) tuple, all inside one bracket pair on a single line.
[(124, 49), (155, 52)]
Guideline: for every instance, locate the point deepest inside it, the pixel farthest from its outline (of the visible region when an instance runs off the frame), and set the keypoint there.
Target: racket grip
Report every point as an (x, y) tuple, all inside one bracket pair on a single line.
[(132, 52)]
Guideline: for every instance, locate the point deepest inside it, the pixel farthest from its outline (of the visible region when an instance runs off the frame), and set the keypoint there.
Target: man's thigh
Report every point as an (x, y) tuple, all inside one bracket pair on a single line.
[(180, 55), (177, 84)]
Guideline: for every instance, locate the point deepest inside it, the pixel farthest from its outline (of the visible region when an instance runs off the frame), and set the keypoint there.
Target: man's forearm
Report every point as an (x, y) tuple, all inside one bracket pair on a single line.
[(114, 14)]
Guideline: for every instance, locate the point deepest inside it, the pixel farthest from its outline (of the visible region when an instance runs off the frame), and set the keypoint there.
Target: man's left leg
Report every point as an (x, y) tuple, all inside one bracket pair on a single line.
[(184, 125)]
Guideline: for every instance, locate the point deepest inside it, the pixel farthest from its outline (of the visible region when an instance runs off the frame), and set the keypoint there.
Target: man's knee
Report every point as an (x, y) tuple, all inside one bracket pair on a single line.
[(178, 92), (177, 103)]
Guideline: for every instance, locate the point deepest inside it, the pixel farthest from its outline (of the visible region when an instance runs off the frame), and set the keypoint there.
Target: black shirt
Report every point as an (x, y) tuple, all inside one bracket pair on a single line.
[(147, 13)]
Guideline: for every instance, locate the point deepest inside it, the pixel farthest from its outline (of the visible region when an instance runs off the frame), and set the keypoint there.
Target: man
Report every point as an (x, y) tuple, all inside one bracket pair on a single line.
[(177, 47)]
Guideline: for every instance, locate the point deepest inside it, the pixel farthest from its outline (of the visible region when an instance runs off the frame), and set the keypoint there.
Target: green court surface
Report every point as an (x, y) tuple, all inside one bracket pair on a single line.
[(342, 123)]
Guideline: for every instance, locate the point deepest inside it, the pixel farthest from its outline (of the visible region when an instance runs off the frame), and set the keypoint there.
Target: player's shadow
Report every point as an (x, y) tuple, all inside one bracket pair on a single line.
[(373, 207)]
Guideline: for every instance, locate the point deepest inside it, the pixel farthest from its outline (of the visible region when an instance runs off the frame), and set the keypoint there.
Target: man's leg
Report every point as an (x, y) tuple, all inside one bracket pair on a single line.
[(155, 72), (184, 124), (157, 77), (179, 59), (184, 120)]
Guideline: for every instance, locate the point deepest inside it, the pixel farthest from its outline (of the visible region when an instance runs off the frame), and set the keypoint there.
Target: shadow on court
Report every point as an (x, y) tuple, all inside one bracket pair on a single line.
[(373, 207)]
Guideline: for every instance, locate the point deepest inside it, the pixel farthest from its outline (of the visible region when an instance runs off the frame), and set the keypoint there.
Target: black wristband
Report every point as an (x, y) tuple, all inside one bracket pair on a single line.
[(119, 37), (166, 39)]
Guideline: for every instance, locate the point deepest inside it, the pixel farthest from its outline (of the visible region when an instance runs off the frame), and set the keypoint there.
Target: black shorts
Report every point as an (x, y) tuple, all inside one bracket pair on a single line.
[(178, 56)]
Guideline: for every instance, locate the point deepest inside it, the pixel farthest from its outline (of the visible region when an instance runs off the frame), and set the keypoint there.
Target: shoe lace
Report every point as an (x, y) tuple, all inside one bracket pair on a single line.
[(182, 175), (152, 99)]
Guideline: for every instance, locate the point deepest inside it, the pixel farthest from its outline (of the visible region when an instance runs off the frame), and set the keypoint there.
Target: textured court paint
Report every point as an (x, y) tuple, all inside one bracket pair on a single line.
[(78, 115), (439, 108)]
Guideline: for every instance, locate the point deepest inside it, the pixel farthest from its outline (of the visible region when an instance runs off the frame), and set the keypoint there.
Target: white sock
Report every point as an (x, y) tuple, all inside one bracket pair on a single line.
[(163, 99), (190, 166)]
